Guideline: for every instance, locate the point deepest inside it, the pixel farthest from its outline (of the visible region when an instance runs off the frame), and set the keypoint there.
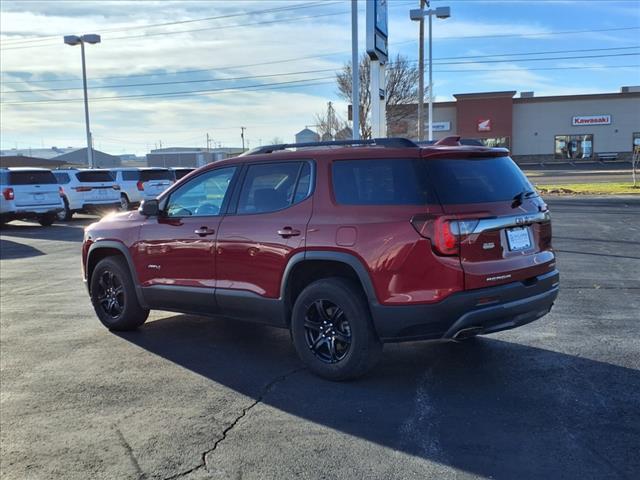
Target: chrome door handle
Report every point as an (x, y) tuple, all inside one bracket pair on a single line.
[(203, 231), (287, 232)]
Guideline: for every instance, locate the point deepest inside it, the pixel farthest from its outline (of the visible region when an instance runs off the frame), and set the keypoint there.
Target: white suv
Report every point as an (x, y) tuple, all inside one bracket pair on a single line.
[(87, 191), (137, 184), (29, 193)]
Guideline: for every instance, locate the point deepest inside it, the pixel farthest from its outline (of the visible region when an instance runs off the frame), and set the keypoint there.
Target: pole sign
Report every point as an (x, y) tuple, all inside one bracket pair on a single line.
[(377, 30), (591, 120), (441, 126)]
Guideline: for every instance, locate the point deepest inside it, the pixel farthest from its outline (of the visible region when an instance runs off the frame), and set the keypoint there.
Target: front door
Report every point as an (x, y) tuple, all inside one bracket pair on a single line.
[(266, 226), (175, 256)]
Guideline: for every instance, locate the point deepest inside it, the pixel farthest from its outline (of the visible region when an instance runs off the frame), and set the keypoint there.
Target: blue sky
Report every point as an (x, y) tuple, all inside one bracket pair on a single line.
[(269, 65)]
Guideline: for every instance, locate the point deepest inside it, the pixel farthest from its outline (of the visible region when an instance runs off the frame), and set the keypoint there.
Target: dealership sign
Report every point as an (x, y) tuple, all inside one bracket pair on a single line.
[(484, 125), (441, 126), (591, 120)]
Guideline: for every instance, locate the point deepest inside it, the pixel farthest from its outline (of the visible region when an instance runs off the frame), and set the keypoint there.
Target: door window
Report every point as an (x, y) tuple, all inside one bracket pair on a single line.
[(271, 186), (202, 196)]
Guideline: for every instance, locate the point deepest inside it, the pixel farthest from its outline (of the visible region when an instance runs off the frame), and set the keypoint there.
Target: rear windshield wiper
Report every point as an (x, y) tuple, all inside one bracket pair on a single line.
[(517, 199)]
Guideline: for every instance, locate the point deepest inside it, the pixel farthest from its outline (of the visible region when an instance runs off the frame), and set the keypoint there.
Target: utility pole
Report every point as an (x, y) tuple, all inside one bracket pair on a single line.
[(421, 75), (208, 140), (242, 129)]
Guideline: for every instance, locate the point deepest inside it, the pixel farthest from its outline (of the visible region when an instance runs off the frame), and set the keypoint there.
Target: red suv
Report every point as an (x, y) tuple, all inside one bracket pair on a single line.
[(349, 246)]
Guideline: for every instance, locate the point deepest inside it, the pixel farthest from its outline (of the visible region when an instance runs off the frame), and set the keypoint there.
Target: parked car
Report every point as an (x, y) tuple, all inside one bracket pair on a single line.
[(137, 184), (380, 241), (179, 172), (29, 193), (87, 191)]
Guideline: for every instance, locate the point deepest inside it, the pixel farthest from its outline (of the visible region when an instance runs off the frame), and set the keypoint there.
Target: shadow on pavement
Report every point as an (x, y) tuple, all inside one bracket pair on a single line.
[(489, 407), (12, 250), (62, 232)]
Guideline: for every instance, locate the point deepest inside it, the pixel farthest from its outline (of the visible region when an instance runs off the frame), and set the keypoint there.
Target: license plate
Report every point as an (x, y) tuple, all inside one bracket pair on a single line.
[(38, 197), (518, 238), (102, 193)]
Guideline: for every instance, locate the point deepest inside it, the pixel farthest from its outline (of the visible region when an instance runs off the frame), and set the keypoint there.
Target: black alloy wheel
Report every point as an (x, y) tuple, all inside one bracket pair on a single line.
[(110, 294), (327, 331)]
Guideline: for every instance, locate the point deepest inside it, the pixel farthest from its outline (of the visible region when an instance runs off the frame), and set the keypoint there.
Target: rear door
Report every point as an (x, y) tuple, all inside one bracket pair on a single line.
[(504, 227), (265, 226), (155, 181), (97, 186), (34, 189)]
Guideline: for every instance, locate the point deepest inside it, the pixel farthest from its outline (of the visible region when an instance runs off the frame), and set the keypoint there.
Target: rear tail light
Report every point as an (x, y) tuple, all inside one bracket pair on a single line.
[(140, 185), (116, 187), (82, 189), (8, 194), (61, 191), (445, 234)]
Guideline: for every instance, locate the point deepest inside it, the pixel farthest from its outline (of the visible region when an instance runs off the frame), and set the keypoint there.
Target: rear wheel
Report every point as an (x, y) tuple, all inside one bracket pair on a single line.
[(47, 219), (113, 296), (332, 330)]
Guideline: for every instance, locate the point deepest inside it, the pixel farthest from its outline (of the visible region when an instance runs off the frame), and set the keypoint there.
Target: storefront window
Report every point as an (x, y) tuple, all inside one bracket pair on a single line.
[(574, 146), (502, 142)]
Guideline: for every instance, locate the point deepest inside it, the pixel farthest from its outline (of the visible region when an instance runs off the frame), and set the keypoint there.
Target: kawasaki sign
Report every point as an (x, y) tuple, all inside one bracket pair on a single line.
[(591, 120)]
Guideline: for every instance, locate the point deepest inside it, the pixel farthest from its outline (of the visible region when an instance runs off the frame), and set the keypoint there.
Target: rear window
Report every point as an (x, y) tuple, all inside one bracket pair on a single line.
[(381, 182), (146, 175), (130, 175), (181, 173), (477, 180), (94, 176), (31, 178), (63, 178)]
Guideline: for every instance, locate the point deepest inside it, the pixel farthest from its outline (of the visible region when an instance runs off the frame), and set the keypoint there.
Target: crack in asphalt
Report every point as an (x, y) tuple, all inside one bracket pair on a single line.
[(129, 451), (243, 413)]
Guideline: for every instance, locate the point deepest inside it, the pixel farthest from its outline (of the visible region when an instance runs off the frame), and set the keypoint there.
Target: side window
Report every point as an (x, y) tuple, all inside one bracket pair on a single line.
[(304, 188), (62, 178), (268, 187), (201, 196)]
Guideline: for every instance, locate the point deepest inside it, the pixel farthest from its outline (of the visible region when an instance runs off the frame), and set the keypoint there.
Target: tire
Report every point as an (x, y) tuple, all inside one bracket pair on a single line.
[(66, 214), (124, 202), (346, 325), (47, 219), (113, 296)]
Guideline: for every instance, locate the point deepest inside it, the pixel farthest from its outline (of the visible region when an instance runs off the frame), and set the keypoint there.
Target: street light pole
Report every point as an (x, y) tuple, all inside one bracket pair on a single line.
[(421, 77), (86, 108), (355, 72), (418, 15), (81, 40)]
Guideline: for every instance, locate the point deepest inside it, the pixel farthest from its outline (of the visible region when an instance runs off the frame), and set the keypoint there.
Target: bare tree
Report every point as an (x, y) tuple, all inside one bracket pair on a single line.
[(402, 88), (329, 123)]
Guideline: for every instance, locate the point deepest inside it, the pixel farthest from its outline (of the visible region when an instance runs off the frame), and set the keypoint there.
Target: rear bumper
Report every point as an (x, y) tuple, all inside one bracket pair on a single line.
[(93, 207), (480, 311), (31, 212)]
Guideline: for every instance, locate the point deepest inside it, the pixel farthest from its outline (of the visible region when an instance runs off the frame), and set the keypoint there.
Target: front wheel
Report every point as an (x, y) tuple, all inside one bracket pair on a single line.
[(66, 214), (113, 296), (332, 330), (124, 202)]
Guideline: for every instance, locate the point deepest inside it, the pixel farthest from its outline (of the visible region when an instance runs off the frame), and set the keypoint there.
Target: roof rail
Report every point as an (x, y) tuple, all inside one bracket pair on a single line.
[(393, 142)]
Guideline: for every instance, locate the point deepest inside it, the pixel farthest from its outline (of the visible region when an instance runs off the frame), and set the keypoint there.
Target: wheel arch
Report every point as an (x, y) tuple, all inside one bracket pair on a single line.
[(109, 248), (306, 267)]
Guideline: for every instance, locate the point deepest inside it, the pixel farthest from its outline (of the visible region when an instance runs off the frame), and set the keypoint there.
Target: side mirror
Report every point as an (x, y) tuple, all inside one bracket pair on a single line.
[(149, 208)]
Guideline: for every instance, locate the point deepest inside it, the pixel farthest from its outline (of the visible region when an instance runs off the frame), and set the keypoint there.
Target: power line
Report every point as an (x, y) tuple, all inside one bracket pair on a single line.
[(151, 84), (286, 61), (181, 22)]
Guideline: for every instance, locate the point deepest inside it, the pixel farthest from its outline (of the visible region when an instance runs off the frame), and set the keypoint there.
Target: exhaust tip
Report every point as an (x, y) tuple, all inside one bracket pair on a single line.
[(467, 333)]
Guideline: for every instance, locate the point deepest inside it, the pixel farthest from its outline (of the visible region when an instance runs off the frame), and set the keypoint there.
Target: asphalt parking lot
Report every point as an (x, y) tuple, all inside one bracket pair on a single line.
[(189, 397)]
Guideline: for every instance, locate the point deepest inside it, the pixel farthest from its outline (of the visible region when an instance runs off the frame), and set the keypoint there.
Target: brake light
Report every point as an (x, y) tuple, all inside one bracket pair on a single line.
[(116, 187), (140, 185), (8, 194), (82, 189), (443, 233)]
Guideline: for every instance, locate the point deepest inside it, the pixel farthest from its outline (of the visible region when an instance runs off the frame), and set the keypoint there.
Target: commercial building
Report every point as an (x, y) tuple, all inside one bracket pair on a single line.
[(570, 128), (188, 157)]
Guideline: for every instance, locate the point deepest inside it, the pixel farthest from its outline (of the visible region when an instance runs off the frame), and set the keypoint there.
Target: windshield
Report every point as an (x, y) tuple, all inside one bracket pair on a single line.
[(478, 180)]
